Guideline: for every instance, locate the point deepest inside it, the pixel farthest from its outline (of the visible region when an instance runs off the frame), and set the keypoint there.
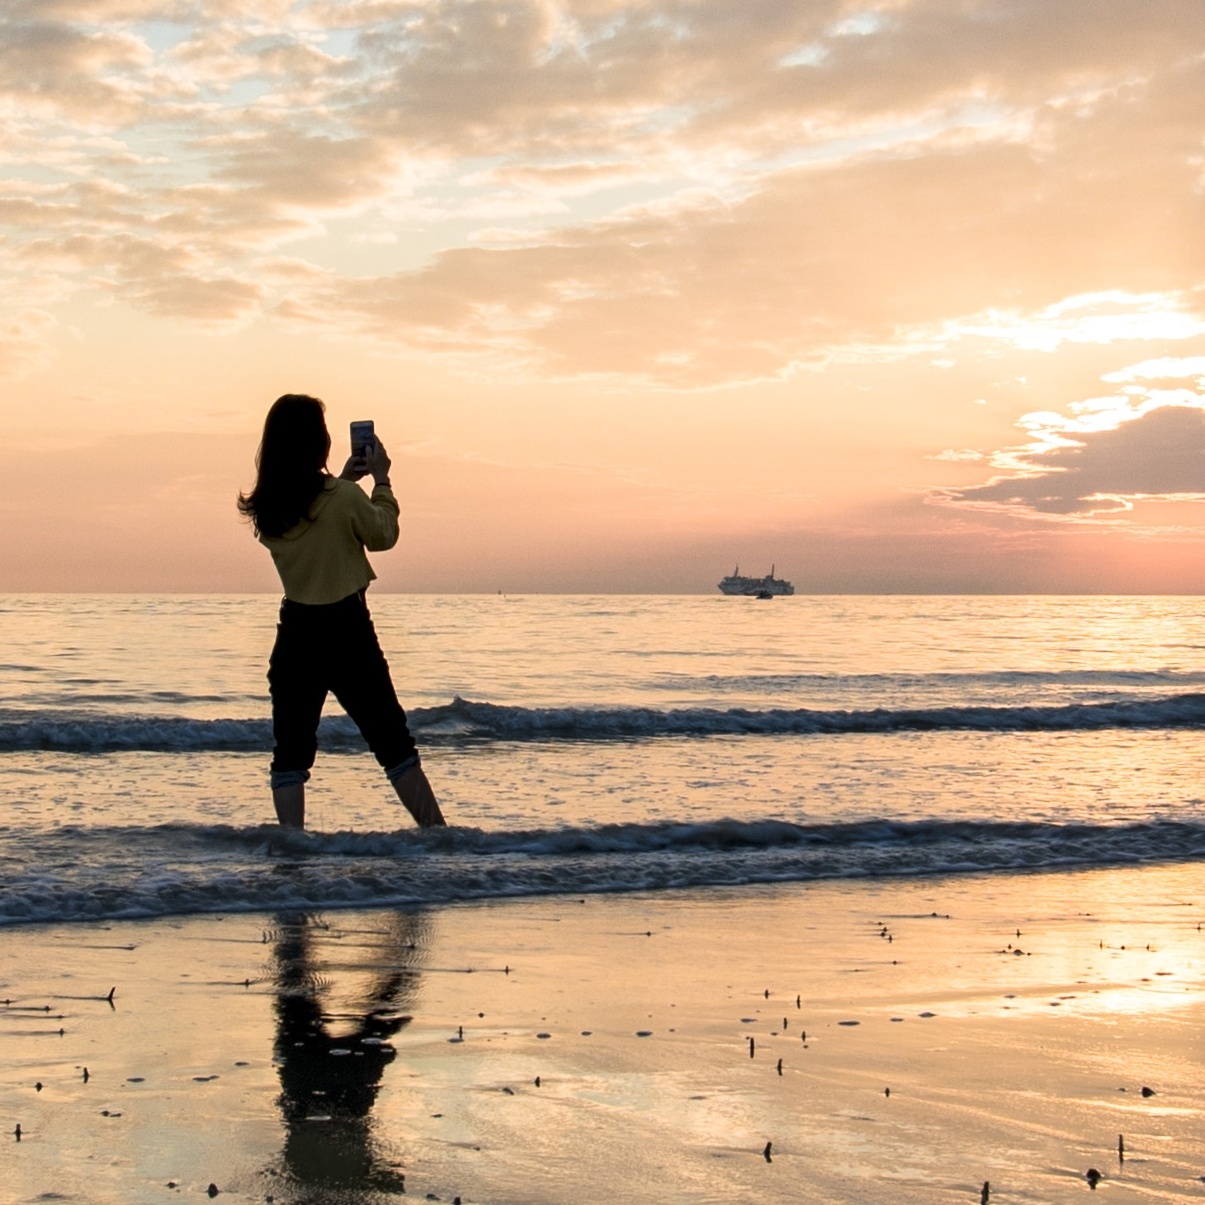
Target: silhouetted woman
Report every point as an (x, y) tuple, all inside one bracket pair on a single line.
[(317, 528)]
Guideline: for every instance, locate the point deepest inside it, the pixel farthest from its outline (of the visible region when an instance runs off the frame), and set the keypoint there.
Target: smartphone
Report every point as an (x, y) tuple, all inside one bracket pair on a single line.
[(362, 439)]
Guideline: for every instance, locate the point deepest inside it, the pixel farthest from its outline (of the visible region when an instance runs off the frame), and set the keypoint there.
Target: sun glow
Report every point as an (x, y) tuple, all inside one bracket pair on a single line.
[(1106, 318)]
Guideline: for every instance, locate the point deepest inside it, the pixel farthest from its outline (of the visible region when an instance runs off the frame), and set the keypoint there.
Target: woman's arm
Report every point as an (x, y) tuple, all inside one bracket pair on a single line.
[(375, 519)]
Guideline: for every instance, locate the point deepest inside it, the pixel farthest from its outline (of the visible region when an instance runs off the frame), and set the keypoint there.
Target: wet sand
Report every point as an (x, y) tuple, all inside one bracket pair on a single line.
[(873, 1042)]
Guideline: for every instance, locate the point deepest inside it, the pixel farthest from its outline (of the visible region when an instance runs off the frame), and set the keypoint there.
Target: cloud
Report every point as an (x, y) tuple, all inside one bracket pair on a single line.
[(1158, 454), (167, 280), (63, 70), (488, 78), (1164, 368), (1103, 318), (701, 193), (881, 248), (297, 169)]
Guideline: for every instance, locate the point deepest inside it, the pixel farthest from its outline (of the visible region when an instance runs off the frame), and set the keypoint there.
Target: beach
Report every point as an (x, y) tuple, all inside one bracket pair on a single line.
[(899, 1040)]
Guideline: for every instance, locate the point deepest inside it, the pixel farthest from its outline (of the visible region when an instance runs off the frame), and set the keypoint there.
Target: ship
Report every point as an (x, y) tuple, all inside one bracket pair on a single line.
[(755, 587)]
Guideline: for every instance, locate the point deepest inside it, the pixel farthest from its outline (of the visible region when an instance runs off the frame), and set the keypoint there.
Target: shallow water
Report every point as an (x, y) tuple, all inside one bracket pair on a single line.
[(597, 744)]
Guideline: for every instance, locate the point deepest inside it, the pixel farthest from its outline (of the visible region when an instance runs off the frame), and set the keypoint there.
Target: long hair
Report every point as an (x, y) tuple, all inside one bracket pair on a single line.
[(290, 465)]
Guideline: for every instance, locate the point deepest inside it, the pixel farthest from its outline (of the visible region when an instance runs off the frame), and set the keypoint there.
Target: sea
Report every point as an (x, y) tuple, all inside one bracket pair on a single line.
[(588, 744)]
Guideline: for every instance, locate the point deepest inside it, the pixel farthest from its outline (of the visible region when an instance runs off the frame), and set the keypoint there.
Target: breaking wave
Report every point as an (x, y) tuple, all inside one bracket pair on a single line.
[(464, 722), (82, 873)]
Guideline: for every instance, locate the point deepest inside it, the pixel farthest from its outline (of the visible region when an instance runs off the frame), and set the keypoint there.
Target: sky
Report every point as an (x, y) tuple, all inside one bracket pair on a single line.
[(901, 296)]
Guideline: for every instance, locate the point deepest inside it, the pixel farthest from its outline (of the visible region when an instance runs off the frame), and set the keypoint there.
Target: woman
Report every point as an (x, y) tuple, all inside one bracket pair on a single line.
[(317, 528)]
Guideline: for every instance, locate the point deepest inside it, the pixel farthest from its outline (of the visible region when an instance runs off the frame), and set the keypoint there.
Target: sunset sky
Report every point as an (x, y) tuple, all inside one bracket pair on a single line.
[(898, 296)]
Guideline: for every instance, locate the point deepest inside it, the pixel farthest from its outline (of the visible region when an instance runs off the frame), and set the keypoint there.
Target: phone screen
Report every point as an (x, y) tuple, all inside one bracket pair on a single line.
[(362, 438)]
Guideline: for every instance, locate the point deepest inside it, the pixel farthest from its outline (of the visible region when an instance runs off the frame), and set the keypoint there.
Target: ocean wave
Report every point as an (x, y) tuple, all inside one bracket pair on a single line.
[(463, 721), (81, 873)]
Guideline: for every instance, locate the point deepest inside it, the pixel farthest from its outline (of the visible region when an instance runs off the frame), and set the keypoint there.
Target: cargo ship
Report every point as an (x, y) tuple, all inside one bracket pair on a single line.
[(755, 587)]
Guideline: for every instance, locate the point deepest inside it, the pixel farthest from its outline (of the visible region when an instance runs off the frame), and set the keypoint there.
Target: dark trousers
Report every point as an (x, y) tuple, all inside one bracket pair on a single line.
[(331, 648)]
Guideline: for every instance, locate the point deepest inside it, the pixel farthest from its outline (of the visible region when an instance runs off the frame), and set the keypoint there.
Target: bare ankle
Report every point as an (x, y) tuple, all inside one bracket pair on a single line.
[(289, 803)]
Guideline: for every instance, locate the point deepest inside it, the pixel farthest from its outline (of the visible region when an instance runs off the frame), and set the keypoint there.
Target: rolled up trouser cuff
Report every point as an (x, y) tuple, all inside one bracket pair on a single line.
[(289, 778), (396, 772)]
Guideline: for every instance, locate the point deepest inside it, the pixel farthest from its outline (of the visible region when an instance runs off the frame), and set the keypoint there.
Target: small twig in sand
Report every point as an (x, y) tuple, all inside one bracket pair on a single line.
[(107, 999), (766, 1152), (986, 1194)]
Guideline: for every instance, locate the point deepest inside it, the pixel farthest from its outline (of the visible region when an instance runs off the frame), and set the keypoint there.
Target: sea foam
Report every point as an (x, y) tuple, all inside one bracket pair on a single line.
[(463, 721), (100, 873)]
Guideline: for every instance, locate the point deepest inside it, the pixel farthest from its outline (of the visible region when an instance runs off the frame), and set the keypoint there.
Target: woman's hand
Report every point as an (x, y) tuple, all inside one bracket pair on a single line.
[(354, 469), (378, 463)]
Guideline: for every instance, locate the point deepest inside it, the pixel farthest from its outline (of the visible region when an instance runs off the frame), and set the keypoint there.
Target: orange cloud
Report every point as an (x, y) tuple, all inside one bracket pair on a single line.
[(1159, 454), (865, 175), (870, 250)]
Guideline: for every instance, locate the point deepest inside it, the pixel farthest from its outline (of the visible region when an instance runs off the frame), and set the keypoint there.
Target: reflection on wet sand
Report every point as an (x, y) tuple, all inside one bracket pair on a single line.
[(340, 997)]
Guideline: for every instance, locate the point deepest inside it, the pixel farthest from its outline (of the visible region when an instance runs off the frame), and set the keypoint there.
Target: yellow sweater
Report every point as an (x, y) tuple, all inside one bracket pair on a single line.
[(322, 560)]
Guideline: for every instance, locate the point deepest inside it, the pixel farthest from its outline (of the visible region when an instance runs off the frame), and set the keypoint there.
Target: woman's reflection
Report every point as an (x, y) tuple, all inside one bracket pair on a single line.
[(340, 997)]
